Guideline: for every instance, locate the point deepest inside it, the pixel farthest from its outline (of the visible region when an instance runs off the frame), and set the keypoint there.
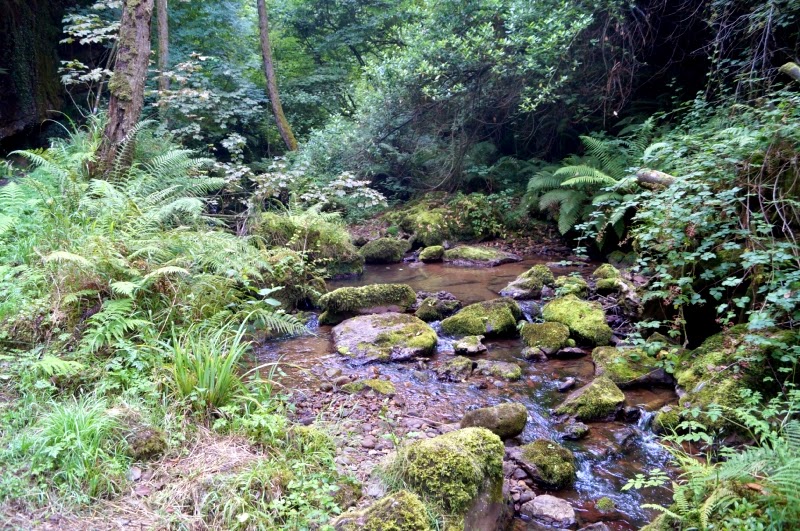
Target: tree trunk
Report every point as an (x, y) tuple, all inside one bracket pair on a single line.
[(127, 83), (163, 44), (272, 84)]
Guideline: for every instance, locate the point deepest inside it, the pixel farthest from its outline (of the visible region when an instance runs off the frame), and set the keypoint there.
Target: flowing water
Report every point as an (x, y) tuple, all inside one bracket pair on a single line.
[(612, 453)]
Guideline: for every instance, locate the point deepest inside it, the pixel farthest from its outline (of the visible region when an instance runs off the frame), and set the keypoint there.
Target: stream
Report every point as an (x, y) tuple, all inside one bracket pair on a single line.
[(611, 455)]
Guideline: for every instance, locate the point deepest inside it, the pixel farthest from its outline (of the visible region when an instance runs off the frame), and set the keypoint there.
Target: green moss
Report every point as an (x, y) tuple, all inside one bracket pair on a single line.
[(605, 504), (499, 369), (497, 317), (433, 309), (666, 420), (384, 251), (425, 219), (385, 337), (120, 87), (504, 420), (310, 440), (399, 511), (555, 465), (623, 366), (146, 442), (586, 320), (345, 302), (606, 271), (608, 285), (384, 387), (595, 401), (572, 285), (549, 337), (432, 254), (530, 283), (473, 254), (457, 369), (452, 469)]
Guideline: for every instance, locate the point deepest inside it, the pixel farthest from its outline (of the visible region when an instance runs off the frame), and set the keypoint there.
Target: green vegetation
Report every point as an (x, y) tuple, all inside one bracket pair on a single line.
[(343, 303), (554, 464), (400, 511), (384, 387), (625, 367), (384, 251), (595, 401), (549, 337), (496, 317), (434, 253), (586, 320)]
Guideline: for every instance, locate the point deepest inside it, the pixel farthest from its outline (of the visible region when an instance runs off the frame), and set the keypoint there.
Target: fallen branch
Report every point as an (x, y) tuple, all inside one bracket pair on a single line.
[(655, 177)]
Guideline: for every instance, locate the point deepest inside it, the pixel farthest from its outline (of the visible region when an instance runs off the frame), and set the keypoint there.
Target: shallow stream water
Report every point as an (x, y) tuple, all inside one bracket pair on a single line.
[(612, 453)]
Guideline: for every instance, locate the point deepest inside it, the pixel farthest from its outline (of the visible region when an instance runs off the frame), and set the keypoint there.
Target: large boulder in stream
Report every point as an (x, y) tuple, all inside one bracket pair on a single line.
[(434, 253), (400, 511), (549, 338), (572, 285), (344, 303), (435, 308), (505, 420), (595, 401), (469, 256), (628, 367), (530, 283), (496, 317), (384, 251), (384, 337), (547, 463), (469, 346), (586, 320), (460, 473), (550, 511)]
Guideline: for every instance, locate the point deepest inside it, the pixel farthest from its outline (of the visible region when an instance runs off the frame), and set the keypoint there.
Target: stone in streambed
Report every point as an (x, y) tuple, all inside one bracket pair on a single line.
[(384, 387), (500, 369), (572, 285), (384, 251), (595, 401), (548, 463), (529, 284), (435, 309), (550, 511), (547, 337), (496, 317), (457, 369), (574, 431), (344, 303), (384, 337), (399, 511), (629, 367), (586, 320), (469, 256), (469, 346), (432, 254), (505, 420)]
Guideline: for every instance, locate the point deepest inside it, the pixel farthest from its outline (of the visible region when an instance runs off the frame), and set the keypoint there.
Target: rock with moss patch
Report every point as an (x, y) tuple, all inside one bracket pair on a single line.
[(143, 440), (586, 320), (384, 387), (469, 346), (726, 364), (504, 420), (399, 511), (434, 253), (547, 337), (572, 285), (496, 317), (384, 251), (605, 505), (574, 431), (345, 303), (435, 309), (499, 369), (426, 220), (453, 470), (548, 463), (384, 337), (629, 367), (595, 401), (666, 420), (606, 271), (470, 256), (530, 283), (457, 369)]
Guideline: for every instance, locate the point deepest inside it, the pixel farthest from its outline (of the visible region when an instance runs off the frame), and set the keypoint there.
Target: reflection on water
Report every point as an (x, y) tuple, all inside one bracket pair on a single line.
[(613, 452)]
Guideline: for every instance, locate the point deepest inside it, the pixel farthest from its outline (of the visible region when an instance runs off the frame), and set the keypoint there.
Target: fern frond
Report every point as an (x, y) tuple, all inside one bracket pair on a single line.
[(64, 256), (52, 366)]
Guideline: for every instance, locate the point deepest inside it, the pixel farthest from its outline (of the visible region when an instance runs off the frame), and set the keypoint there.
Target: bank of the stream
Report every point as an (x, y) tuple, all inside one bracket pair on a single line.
[(369, 425)]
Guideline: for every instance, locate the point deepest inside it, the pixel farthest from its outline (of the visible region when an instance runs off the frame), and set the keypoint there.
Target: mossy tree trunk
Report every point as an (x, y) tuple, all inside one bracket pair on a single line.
[(163, 44), (272, 84), (127, 83)]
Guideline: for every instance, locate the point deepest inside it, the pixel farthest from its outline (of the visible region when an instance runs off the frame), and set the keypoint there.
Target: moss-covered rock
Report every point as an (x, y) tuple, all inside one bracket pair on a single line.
[(547, 337), (628, 367), (453, 469), (384, 337), (585, 320), (434, 253), (344, 303), (471, 256), (595, 401), (299, 283), (384, 387), (666, 420), (143, 440), (435, 309), (469, 346), (723, 366), (504, 420), (457, 369), (499, 369), (426, 219), (606, 271), (605, 505), (399, 511), (572, 285), (604, 286), (548, 463), (530, 283), (384, 251), (497, 317), (324, 242)]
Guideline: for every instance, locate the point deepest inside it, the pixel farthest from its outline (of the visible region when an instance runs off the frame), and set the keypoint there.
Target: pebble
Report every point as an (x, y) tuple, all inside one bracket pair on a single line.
[(333, 373), (566, 385), (326, 387), (368, 442), (341, 380)]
